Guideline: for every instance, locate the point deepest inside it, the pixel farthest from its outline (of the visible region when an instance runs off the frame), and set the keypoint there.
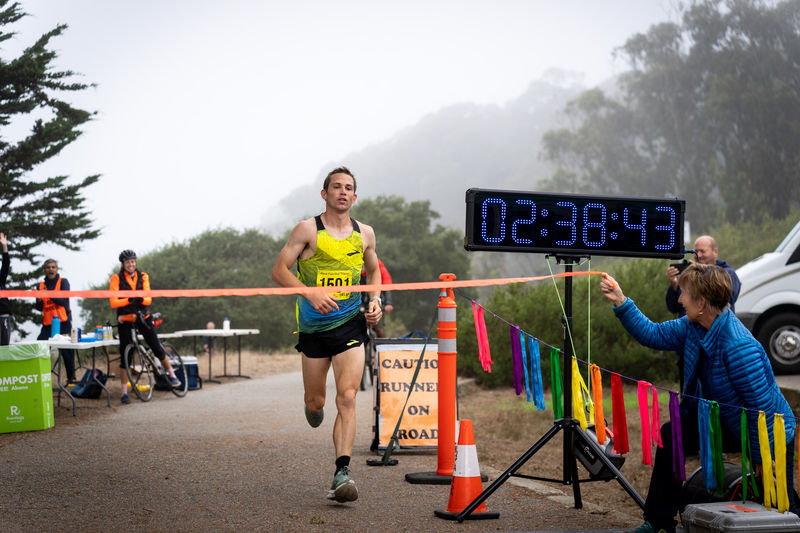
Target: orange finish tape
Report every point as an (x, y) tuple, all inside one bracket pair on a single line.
[(270, 291)]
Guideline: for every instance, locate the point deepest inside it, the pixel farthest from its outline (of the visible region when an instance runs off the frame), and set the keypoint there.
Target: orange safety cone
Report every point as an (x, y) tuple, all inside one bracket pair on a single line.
[(466, 484)]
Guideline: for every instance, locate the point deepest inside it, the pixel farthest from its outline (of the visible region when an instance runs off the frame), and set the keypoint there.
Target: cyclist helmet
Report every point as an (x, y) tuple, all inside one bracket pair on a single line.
[(126, 254)]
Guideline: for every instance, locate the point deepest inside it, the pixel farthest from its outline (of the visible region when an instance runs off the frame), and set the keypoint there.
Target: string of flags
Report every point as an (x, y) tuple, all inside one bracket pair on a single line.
[(527, 376)]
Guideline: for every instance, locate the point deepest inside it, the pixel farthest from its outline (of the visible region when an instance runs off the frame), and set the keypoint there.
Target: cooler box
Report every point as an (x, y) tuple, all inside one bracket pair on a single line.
[(190, 365), (26, 393), (738, 517), (193, 372)]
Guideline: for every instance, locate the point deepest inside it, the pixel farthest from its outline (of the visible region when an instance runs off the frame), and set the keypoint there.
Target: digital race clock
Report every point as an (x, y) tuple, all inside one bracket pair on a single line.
[(573, 224)]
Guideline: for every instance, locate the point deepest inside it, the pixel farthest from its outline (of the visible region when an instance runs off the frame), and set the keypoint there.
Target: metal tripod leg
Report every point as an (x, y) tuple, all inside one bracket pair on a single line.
[(571, 464), (502, 478), (571, 474), (606, 461)]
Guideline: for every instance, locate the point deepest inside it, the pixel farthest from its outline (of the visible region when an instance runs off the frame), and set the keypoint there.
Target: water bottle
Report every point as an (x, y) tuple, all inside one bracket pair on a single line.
[(226, 324), (98, 333), (55, 326)]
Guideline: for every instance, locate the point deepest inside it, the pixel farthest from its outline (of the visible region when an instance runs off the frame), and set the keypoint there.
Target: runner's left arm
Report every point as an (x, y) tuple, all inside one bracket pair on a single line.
[(374, 313)]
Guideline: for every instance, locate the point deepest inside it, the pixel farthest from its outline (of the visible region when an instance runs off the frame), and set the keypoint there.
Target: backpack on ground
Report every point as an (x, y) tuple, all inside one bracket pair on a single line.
[(88, 387)]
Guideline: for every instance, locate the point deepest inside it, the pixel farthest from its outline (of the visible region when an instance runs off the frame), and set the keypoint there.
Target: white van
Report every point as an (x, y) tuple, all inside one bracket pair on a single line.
[(769, 302)]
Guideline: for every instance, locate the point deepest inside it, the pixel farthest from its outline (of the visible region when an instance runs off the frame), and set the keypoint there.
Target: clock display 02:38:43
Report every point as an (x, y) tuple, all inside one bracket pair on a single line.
[(513, 221)]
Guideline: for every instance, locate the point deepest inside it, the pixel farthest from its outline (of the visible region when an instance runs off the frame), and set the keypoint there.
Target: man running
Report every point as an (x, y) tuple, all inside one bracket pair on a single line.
[(330, 250)]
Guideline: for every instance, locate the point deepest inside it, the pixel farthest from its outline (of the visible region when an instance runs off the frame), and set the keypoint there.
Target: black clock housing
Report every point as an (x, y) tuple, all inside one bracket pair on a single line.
[(574, 224)]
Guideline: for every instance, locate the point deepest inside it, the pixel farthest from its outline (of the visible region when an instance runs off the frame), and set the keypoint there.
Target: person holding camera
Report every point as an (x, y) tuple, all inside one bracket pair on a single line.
[(130, 278), (705, 253)]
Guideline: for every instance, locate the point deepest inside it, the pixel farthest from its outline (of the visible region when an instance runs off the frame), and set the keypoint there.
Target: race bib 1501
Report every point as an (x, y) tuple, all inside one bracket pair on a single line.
[(335, 278)]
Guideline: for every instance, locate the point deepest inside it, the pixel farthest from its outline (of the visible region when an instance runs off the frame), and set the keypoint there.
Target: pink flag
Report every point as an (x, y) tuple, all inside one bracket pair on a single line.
[(644, 413)]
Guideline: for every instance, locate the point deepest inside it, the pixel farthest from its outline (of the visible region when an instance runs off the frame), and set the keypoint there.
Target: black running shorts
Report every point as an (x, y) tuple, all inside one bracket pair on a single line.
[(326, 344)]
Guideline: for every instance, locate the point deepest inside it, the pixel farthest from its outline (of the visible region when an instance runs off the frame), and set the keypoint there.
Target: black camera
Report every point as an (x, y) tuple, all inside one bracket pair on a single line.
[(681, 266)]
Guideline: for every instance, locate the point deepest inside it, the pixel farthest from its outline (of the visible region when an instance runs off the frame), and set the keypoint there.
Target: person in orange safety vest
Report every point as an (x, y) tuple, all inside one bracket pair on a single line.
[(130, 278), (59, 307)]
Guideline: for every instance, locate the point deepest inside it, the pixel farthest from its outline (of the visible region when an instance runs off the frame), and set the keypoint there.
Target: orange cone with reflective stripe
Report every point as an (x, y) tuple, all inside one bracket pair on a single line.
[(466, 484)]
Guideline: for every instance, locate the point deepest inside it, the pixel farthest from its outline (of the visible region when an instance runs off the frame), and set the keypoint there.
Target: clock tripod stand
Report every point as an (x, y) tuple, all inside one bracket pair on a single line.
[(573, 434)]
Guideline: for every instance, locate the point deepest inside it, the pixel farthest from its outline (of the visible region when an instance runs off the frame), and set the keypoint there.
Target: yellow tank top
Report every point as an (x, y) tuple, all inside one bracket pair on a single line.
[(335, 263)]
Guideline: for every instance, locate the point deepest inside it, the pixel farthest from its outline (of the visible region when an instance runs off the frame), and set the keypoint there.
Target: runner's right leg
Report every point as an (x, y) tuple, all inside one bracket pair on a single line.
[(315, 376), (347, 369)]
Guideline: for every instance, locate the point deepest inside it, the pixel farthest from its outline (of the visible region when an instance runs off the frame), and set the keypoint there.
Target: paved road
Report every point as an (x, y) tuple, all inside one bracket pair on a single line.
[(235, 457)]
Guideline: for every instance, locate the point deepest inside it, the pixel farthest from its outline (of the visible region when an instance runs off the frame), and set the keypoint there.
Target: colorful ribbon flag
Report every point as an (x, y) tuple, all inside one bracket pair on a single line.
[(779, 436), (597, 395), (556, 384), (747, 455), (704, 432), (678, 463), (715, 429), (525, 365), (644, 414), (587, 397), (655, 427), (578, 409), (618, 415), (770, 496), (536, 374), (516, 357), (484, 355)]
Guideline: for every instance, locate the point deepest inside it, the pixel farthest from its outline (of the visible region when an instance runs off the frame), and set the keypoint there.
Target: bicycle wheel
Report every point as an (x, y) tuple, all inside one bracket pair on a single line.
[(140, 374), (177, 366)]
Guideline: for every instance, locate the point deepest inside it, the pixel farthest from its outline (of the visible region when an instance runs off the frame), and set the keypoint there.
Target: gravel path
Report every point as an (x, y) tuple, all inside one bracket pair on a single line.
[(234, 457)]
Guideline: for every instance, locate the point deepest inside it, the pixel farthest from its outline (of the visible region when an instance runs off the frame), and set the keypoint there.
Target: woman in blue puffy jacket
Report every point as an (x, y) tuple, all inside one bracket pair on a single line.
[(723, 362)]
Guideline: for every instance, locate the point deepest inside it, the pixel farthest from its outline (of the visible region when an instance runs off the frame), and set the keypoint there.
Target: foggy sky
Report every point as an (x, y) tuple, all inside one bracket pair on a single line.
[(210, 112)]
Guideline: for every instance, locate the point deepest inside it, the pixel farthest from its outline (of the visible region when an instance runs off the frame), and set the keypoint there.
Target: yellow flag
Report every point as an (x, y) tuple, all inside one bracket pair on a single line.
[(779, 433), (766, 461), (577, 395)]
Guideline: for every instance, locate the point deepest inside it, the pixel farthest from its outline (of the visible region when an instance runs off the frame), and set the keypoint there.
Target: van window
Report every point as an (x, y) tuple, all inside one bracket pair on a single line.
[(785, 242)]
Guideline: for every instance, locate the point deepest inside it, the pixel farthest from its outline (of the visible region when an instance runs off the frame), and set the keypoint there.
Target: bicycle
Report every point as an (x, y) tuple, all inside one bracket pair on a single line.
[(144, 368)]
